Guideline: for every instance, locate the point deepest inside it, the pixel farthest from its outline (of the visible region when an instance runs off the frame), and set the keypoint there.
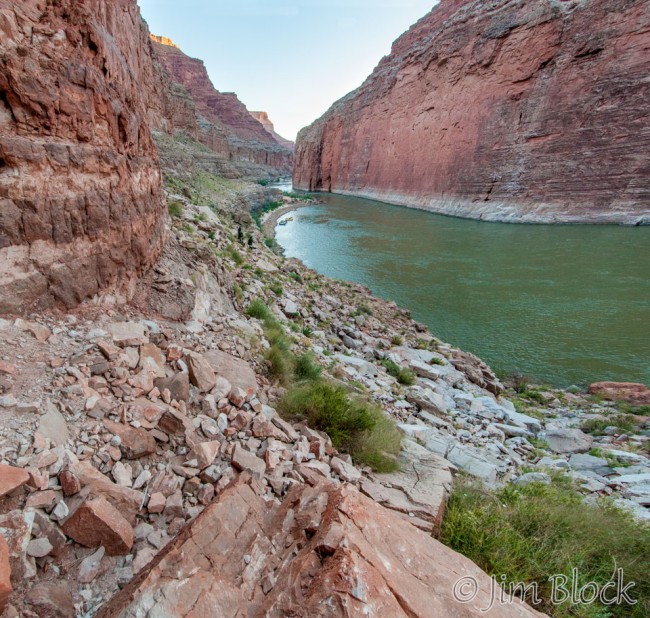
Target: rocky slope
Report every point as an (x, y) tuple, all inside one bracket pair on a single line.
[(266, 122), (508, 110), (81, 200), (221, 121), (143, 444)]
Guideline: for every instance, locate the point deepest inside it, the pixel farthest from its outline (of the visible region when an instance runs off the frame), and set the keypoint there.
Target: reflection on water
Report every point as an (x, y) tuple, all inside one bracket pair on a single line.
[(565, 304)]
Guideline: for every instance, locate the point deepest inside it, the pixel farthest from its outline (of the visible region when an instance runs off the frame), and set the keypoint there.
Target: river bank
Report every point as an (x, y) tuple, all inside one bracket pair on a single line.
[(162, 406), (564, 305)]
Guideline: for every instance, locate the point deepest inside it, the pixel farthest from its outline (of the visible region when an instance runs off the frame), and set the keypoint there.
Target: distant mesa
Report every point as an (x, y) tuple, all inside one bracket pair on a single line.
[(163, 40), (265, 121)]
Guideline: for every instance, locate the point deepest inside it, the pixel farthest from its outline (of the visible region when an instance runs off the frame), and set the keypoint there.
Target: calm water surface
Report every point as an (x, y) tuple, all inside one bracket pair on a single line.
[(563, 304)]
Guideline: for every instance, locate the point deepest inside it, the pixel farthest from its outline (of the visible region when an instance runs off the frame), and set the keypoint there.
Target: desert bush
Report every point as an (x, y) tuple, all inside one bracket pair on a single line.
[(530, 533), (354, 425)]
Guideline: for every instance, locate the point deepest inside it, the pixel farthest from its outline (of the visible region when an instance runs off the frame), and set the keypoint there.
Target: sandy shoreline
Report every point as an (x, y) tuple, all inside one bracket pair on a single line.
[(270, 219)]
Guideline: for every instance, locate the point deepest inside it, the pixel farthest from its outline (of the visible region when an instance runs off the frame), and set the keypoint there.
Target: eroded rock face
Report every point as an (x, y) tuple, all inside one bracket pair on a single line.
[(221, 120), (516, 111), (326, 551), (267, 123), (81, 206)]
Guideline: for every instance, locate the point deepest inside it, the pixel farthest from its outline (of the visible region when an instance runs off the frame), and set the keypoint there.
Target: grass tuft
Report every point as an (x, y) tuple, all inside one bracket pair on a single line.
[(354, 425), (530, 533)]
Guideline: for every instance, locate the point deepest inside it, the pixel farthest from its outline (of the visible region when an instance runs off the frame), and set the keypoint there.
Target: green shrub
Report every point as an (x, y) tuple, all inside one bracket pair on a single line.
[(625, 423), (397, 340), (175, 209), (276, 289), (281, 364), (528, 534), (355, 426), (307, 368), (257, 309), (235, 256), (401, 374)]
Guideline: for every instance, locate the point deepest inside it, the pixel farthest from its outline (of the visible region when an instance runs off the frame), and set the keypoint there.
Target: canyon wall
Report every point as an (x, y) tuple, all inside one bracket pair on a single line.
[(503, 110), (81, 203), (267, 123), (220, 120)]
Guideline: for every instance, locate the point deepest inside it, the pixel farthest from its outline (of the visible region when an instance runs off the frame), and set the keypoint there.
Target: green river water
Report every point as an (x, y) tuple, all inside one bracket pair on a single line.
[(561, 304)]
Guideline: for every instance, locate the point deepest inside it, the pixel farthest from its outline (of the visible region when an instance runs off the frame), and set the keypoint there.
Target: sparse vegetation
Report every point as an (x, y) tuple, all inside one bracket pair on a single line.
[(397, 340), (354, 425), (624, 423), (175, 209), (401, 374), (530, 533)]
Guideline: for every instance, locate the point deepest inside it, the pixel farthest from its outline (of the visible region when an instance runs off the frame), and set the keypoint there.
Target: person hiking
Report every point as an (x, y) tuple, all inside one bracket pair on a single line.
[(240, 236), (250, 241)]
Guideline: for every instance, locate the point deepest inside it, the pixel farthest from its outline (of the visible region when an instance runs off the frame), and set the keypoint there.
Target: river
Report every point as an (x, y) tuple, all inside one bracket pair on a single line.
[(561, 304)]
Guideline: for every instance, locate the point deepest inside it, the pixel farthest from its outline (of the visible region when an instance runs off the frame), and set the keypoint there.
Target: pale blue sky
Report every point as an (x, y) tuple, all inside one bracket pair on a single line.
[(291, 58)]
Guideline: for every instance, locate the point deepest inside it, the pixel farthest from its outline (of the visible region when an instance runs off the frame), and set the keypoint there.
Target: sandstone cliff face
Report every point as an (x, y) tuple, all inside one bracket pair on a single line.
[(505, 110), (220, 120), (81, 206), (267, 123)]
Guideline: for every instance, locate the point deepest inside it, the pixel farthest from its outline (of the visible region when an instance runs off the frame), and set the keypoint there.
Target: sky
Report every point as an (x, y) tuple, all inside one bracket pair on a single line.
[(290, 58)]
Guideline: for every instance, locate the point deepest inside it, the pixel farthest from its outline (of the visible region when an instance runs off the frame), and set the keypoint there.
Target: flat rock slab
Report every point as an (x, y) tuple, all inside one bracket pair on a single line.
[(327, 550), (127, 334), (54, 426), (238, 372), (419, 490), (567, 440)]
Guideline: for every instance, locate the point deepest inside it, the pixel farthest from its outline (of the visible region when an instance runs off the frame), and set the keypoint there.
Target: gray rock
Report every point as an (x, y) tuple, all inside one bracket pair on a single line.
[(53, 426), (567, 440), (532, 477)]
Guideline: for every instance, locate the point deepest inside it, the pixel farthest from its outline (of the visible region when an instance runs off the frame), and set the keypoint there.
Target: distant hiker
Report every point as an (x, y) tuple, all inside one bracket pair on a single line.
[(240, 236), (250, 241)]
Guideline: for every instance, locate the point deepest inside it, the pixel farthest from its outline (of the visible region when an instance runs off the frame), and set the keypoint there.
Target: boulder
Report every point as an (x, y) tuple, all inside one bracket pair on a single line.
[(51, 600), (178, 386), (96, 523), (52, 425), (238, 372), (11, 478), (636, 394), (126, 334), (135, 442), (201, 373), (5, 574), (341, 554), (567, 440), (244, 460)]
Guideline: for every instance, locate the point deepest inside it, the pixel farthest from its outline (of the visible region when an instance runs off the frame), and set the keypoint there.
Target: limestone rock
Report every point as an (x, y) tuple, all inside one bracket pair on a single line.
[(238, 372), (567, 440), (249, 462)]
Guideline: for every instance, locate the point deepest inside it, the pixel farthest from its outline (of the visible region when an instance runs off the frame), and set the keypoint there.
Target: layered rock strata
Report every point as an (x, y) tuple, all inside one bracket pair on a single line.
[(517, 111), (220, 121), (81, 206), (323, 552), (267, 123)]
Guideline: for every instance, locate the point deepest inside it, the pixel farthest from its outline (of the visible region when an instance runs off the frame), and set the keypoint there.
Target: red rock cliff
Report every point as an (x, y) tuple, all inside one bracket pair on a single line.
[(81, 205), (505, 110), (267, 123), (222, 121)]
